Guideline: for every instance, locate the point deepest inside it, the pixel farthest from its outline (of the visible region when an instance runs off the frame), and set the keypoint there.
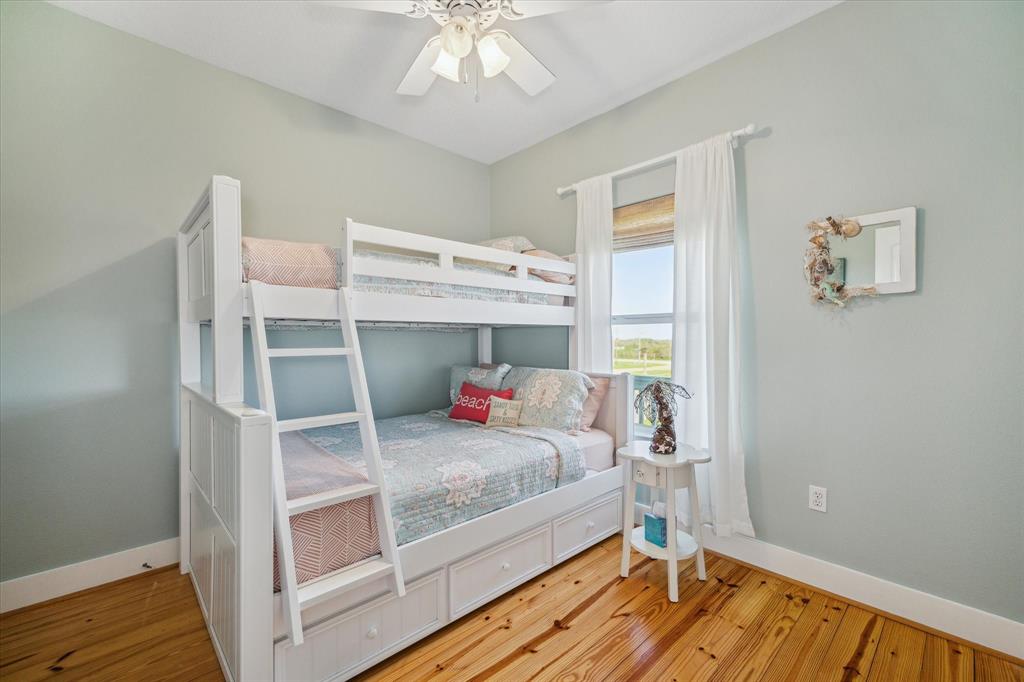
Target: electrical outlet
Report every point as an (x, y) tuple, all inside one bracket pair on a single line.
[(817, 498)]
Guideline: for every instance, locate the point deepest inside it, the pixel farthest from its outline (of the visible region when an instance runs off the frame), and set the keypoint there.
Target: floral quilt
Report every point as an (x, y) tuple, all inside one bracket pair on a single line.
[(440, 472)]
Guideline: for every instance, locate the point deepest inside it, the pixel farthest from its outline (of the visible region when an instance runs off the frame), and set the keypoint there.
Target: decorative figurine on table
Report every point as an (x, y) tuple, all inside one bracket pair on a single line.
[(657, 404)]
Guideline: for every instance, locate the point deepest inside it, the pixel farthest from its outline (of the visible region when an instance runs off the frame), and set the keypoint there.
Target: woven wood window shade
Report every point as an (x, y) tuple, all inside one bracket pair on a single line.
[(643, 224)]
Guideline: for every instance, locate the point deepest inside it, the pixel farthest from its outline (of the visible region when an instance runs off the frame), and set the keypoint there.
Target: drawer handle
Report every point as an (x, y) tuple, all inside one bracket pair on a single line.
[(590, 525), (505, 566), (372, 633)]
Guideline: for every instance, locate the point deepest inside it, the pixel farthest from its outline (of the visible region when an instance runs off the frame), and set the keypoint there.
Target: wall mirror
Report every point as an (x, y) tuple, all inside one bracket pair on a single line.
[(864, 255)]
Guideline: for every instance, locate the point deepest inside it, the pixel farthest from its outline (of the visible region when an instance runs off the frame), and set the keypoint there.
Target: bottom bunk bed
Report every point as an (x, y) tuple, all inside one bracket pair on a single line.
[(439, 472), (477, 511)]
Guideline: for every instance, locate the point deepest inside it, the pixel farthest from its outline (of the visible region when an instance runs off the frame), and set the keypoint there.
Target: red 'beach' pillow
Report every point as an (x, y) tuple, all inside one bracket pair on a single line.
[(474, 403)]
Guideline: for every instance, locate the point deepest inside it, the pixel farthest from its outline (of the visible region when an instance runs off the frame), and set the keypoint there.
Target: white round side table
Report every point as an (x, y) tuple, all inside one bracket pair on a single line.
[(670, 473)]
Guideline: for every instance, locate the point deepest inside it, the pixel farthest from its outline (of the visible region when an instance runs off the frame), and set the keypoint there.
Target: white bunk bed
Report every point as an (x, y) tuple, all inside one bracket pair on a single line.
[(228, 450)]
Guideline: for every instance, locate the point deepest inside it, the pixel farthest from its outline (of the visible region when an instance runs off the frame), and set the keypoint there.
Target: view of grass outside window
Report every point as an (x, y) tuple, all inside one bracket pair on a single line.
[(643, 350), (642, 313)]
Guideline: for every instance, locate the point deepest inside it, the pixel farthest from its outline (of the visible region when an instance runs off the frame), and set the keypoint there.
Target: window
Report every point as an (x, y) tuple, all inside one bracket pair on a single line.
[(642, 286)]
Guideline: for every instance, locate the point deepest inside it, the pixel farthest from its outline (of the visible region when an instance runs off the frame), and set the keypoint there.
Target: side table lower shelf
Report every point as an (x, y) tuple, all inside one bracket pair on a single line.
[(686, 546)]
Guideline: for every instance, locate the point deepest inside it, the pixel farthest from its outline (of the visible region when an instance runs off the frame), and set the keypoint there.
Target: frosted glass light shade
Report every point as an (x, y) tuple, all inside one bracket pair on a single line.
[(447, 66), (492, 57)]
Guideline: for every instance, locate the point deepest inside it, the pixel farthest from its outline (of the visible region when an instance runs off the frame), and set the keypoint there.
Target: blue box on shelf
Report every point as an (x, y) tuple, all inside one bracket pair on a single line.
[(655, 530)]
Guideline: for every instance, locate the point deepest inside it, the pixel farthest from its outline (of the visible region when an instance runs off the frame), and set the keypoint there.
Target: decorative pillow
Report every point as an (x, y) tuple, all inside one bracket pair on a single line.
[(514, 244), (474, 403), (504, 412), (592, 405), (547, 275), (551, 397), (294, 264), (484, 378)]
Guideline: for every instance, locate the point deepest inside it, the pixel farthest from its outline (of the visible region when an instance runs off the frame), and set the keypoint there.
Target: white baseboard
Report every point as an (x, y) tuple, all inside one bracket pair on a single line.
[(959, 620), (57, 582)]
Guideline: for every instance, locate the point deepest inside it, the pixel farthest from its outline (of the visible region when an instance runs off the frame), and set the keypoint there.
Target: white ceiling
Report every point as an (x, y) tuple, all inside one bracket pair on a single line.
[(603, 55)]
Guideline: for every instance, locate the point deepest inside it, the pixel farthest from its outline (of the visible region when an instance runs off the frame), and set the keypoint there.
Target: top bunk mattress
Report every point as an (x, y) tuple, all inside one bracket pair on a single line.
[(299, 264)]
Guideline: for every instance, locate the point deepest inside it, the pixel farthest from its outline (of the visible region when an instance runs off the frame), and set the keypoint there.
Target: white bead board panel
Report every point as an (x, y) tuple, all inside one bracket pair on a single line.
[(577, 531), (480, 578), (355, 640)]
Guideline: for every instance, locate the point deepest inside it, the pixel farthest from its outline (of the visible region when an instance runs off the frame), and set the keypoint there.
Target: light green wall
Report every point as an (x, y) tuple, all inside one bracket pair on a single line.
[(908, 408), (105, 142)]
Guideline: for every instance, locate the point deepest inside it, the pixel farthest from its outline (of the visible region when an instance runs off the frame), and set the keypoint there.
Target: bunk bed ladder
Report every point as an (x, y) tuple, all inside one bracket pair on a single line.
[(295, 596)]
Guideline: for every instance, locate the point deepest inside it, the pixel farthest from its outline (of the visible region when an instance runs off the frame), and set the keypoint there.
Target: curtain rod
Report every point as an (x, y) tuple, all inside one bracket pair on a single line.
[(741, 132)]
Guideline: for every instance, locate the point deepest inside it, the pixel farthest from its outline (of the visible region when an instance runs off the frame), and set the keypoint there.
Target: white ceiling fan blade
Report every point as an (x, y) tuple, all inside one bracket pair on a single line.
[(419, 78), (525, 9), (410, 8), (523, 68)]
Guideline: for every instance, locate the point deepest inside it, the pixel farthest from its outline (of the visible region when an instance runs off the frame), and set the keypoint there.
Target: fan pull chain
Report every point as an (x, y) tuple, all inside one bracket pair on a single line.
[(476, 87)]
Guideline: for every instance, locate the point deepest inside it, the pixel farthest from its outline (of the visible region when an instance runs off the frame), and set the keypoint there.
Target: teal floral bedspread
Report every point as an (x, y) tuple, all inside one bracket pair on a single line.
[(441, 472)]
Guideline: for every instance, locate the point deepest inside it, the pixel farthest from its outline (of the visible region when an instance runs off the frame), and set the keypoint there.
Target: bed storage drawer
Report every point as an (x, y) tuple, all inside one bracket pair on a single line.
[(582, 528), (476, 580), (341, 646)]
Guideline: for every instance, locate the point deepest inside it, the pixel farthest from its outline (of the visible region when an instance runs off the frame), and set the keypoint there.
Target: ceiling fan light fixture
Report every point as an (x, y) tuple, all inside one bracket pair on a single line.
[(447, 66), (457, 37), (492, 57)]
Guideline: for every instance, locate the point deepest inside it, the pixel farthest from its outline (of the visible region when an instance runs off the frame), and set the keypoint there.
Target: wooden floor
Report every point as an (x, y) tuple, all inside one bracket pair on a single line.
[(144, 628), (578, 621)]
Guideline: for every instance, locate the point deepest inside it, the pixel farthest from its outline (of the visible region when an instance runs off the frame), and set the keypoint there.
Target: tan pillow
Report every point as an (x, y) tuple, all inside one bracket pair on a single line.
[(514, 244), (592, 405), (504, 412), (547, 276)]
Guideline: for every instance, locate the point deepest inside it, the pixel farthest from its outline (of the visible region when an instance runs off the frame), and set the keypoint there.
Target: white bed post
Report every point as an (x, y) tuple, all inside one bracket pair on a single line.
[(189, 368), (347, 237), (483, 344), (228, 301)]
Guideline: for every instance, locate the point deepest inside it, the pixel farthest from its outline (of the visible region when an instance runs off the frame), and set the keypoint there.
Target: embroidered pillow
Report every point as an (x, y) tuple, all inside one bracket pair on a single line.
[(547, 275), (515, 244), (504, 412), (478, 376), (552, 398), (295, 264), (474, 403), (592, 405)]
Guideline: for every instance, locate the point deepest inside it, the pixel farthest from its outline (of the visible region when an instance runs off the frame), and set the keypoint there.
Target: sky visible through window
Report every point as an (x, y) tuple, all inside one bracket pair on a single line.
[(641, 284)]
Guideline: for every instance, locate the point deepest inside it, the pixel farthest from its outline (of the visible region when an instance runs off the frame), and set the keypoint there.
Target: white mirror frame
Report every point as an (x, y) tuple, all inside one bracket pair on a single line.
[(907, 220)]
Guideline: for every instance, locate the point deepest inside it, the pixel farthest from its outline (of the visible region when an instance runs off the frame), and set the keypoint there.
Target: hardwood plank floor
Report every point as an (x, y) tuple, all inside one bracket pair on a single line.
[(579, 621)]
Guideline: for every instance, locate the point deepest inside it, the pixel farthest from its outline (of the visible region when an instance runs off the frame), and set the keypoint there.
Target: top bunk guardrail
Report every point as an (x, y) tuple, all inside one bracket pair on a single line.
[(211, 287)]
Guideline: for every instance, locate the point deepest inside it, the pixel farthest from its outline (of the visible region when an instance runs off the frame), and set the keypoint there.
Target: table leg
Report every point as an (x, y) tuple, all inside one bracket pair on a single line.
[(627, 517), (695, 524), (670, 526)]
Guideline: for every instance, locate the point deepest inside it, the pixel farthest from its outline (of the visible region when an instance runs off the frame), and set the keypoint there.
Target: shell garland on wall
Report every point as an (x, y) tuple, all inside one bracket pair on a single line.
[(819, 266)]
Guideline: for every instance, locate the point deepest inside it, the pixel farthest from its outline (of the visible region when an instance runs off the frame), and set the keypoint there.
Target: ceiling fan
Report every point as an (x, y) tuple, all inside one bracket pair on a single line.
[(464, 26)]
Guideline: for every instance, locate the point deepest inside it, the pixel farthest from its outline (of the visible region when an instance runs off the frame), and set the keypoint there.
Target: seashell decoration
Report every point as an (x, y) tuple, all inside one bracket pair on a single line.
[(818, 264)]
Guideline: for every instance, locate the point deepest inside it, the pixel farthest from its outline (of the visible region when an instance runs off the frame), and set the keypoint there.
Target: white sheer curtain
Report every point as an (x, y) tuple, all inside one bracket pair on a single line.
[(591, 349), (705, 334)]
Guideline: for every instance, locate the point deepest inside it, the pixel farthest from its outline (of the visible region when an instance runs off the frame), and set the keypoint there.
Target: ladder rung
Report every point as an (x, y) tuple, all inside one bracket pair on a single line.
[(326, 499), (323, 420), (345, 579), (307, 352)]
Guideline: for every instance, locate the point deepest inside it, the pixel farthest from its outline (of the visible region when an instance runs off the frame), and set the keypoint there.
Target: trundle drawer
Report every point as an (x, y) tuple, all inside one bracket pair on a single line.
[(582, 528), (340, 646), (476, 580)]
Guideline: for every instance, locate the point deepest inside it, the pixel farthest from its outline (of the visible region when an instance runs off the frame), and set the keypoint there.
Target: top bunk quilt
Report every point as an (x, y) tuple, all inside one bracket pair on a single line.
[(309, 265)]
